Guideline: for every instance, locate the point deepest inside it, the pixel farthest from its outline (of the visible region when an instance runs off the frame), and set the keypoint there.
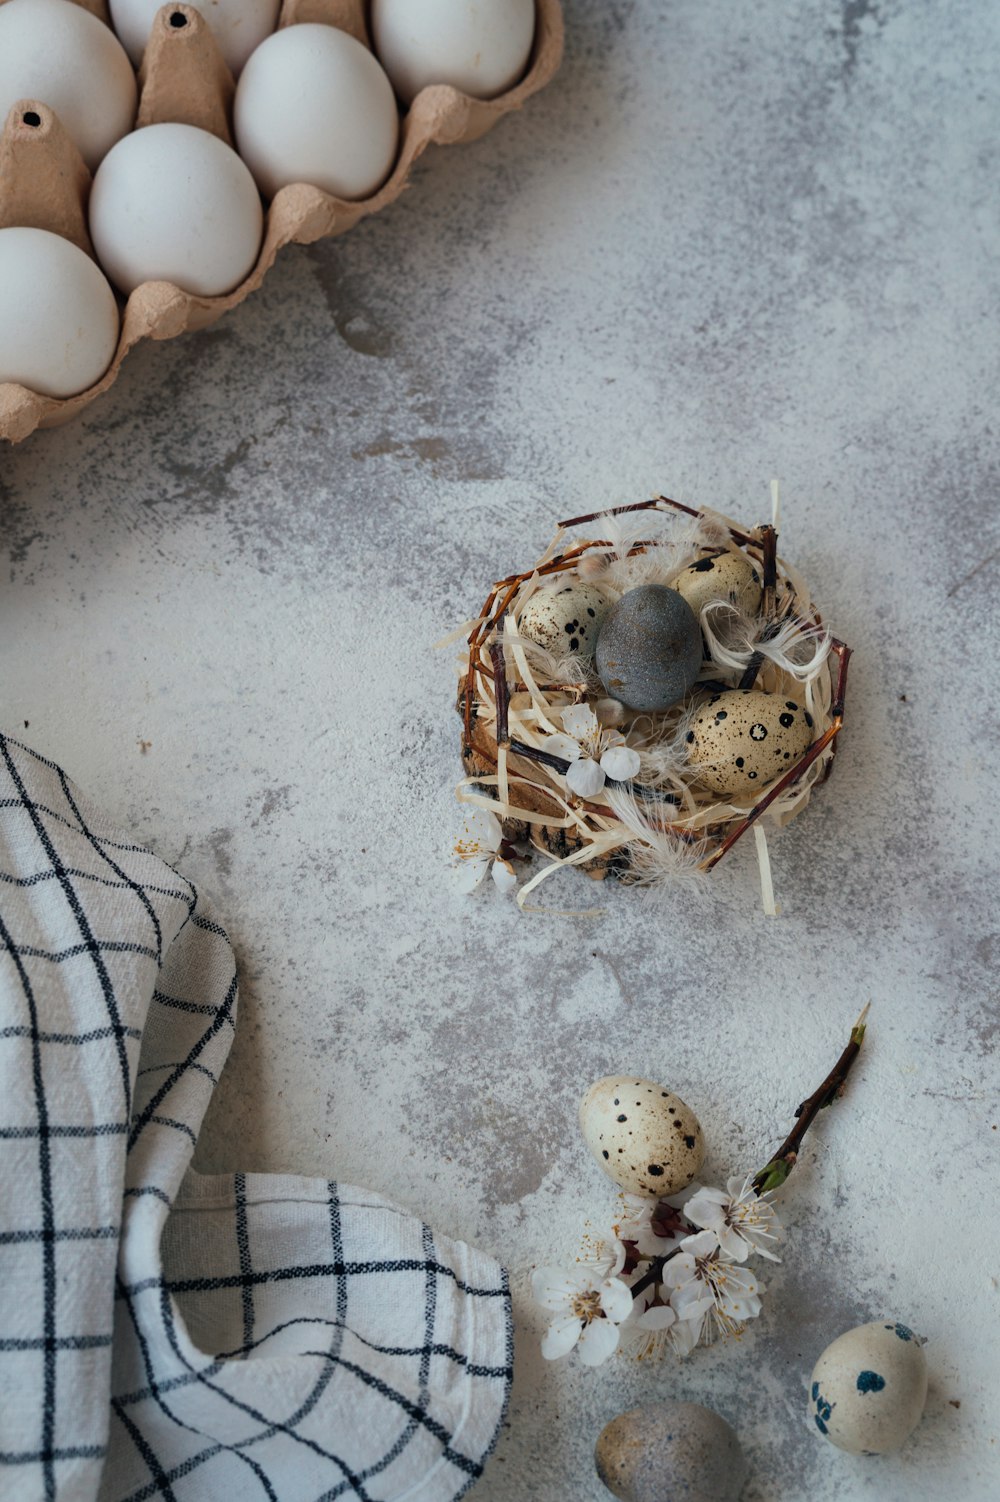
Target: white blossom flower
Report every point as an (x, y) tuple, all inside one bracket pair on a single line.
[(647, 1331), (702, 1283), (742, 1221), (593, 752), (637, 1225), (589, 1302), (478, 853)]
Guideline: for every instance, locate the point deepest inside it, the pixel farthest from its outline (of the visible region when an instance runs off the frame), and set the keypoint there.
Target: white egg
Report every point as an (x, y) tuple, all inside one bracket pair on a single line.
[(58, 315), (314, 106), (61, 55), (172, 203), (643, 1136), (478, 46), (869, 1388), (237, 25)]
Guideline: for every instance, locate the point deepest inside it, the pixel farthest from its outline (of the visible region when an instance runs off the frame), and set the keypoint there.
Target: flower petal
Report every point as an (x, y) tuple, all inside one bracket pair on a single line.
[(598, 1341), (616, 1299), (660, 1317), (702, 1244), (619, 1257), (684, 1336), (561, 1336), (692, 1300), (470, 873), (503, 875), (679, 1270), (580, 721), (732, 1243), (585, 777), (564, 746), (553, 1287), (620, 762), (482, 827)]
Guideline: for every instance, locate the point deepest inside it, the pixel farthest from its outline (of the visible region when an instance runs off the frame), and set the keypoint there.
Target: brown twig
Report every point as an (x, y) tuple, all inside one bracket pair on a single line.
[(774, 1174), (500, 691), (769, 559)]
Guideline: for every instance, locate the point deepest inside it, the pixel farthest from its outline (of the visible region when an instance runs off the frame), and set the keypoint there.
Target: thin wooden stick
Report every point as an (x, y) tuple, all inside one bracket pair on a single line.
[(774, 1174), (769, 557), (500, 692)]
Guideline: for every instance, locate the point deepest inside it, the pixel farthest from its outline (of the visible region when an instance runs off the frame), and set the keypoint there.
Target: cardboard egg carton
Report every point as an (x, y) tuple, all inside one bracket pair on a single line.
[(45, 184)]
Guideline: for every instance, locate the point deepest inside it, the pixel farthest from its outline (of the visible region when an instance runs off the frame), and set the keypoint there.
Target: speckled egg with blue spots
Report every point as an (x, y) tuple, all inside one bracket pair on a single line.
[(869, 1387)]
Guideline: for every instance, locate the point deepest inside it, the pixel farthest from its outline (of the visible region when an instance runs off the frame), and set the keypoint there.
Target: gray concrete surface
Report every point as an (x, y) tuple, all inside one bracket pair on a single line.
[(729, 242)]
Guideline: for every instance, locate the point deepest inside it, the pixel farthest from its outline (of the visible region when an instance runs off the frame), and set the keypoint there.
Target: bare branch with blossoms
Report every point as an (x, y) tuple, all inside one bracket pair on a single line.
[(673, 1273)]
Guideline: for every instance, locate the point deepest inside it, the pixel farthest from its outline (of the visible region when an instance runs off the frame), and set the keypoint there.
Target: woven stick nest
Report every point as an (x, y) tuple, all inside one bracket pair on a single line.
[(662, 824)]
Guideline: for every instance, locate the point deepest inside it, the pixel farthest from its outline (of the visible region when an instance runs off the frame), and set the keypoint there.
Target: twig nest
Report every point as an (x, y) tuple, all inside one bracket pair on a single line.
[(869, 1388), (743, 738), (565, 619), (643, 1136), (721, 576), (677, 1451), (663, 773), (649, 648)]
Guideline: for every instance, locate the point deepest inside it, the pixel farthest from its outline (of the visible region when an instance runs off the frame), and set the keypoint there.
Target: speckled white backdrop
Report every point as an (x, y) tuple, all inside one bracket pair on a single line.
[(730, 241)]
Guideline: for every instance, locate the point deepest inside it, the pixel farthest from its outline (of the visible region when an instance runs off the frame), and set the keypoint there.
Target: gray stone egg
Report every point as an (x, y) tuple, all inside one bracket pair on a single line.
[(721, 576), (869, 1388), (565, 619), (649, 648), (643, 1136), (742, 739), (670, 1452)]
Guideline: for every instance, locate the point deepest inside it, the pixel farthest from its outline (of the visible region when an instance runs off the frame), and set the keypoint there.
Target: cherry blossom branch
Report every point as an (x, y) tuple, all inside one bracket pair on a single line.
[(774, 1174)]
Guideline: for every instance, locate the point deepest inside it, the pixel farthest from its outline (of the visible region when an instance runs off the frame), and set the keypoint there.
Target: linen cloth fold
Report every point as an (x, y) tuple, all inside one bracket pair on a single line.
[(165, 1334)]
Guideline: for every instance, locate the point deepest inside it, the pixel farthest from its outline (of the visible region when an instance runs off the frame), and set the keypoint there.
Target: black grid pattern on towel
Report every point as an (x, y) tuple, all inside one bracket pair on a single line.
[(175, 1423)]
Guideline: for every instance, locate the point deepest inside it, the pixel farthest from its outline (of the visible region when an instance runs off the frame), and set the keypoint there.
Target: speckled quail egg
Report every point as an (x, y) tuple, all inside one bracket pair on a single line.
[(643, 1136), (869, 1388), (740, 740), (565, 619), (649, 648), (679, 1451), (721, 576)]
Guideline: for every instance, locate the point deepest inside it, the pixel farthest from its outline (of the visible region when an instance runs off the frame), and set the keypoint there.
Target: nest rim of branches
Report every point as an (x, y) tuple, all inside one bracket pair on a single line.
[(661, 825)]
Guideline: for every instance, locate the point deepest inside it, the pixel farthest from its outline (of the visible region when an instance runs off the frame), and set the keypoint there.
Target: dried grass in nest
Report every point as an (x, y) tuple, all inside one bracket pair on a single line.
[(662, 827)]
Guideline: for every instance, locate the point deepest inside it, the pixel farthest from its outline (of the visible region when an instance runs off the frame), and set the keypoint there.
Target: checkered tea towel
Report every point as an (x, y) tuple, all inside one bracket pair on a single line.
[(169, 1335)]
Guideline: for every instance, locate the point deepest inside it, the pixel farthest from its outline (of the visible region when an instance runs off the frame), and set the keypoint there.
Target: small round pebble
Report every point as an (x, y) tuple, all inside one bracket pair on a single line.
[(649, 648), (721, 576), (670, 1452), (565, 620), (643, 1136), (869, 1388), (743, 739)]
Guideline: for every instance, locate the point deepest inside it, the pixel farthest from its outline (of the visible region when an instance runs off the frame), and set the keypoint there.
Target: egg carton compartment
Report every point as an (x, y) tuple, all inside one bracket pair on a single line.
[(676, 792), (45, 184)]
